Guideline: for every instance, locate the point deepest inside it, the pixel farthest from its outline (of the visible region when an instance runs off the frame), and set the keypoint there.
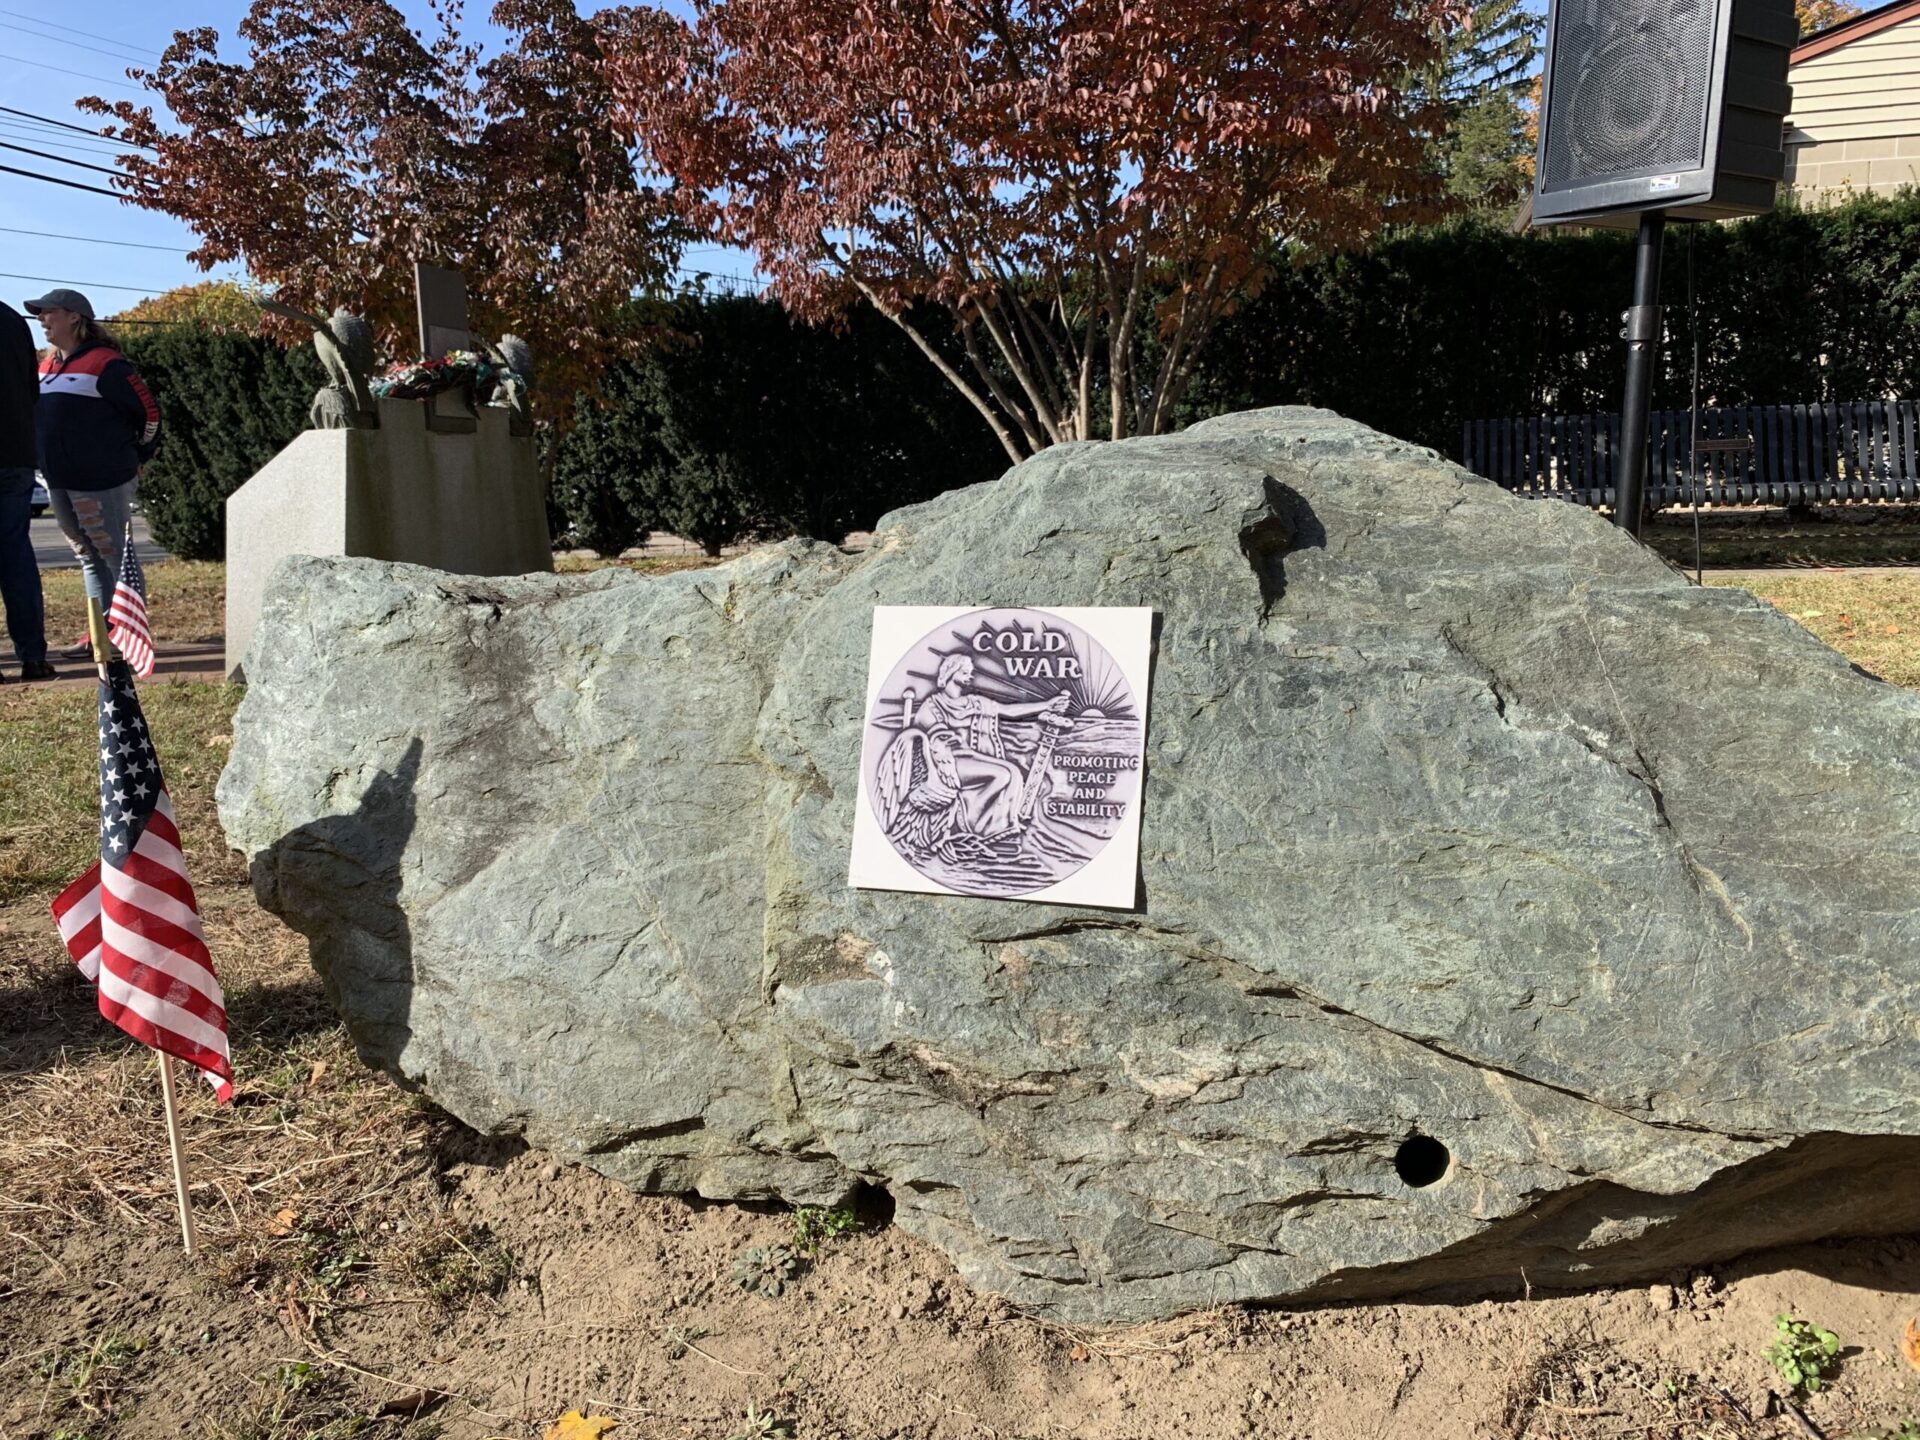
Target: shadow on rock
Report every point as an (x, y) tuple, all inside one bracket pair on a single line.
[(1771, 1213), (338, 881), (1270, 532)]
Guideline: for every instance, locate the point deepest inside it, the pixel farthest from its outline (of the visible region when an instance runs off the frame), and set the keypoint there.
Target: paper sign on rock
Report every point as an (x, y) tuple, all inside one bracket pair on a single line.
[(1003, 753)]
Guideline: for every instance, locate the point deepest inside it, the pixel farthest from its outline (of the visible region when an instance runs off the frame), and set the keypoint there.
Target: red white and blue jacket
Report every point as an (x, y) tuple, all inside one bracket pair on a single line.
[(96, 422)]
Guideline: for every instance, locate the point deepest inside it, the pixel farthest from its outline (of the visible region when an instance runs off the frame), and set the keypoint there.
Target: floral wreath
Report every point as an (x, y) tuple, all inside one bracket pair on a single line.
[(456, 370)]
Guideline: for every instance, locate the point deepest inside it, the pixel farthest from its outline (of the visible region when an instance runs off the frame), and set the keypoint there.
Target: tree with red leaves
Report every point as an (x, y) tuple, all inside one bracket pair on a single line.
[(1817, 15), (1086, 186), (342, 147)]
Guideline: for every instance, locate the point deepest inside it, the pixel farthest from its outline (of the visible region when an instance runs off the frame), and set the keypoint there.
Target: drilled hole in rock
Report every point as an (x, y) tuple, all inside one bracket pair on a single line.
[(1421, 1161)]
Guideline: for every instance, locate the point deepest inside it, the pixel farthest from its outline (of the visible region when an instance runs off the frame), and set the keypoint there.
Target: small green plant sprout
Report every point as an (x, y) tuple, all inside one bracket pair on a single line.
[(89, 1370), (766, 1269), (453, 1263), (1803, 1353), (814, 1227), (680, 1339), (762, 1425)]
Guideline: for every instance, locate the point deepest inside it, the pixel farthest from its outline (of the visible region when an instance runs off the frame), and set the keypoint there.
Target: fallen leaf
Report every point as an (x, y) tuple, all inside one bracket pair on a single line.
[(283, 1223), (1910, 1343), (1845, 619), (214, 742), (1078, 1352), (575, 1426), (313, 1075), (1890, 630)]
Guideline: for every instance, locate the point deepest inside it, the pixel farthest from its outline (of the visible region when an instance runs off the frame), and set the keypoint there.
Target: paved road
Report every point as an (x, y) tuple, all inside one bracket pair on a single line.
[(51, 550)]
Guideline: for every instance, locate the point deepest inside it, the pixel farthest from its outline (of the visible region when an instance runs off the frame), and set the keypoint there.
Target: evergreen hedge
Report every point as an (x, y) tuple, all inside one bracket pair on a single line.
[(1466, 321), (229, 402), (748, 423)]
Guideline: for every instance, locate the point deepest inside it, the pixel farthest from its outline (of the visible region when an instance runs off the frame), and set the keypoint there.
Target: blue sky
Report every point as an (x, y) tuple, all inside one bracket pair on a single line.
[(47, 63), (33, 55)]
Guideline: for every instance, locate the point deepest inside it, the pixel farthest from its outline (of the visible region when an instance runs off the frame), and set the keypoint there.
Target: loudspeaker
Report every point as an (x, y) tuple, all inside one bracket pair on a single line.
[(1671, 105)]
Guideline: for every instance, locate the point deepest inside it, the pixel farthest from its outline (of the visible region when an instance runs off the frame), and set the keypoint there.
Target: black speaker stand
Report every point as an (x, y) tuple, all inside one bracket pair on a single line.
[(1642, 334)]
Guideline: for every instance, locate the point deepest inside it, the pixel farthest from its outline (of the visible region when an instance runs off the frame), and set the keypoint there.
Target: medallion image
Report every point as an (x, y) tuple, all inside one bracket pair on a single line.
[(1003, 752)]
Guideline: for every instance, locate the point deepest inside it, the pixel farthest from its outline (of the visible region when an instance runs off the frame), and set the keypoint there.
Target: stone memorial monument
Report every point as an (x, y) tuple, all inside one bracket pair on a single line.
[(1508, 906), (434, 482), (441, 297)]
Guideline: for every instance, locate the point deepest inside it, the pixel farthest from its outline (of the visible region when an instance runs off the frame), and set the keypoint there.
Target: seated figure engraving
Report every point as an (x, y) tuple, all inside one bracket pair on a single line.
[(946, 786)]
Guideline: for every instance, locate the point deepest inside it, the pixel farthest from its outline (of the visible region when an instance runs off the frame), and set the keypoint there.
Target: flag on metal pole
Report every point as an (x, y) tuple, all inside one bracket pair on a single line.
[(128, 618), (131, 922)]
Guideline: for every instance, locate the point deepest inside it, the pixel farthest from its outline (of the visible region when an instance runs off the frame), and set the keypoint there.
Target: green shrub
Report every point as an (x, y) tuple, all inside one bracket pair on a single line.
[(751, 424), (595, 497), (1436, 326), (748, 423), (230, 402)]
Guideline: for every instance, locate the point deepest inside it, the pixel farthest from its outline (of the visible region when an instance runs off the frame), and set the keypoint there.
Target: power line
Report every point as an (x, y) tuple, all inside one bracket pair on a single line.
[(28, 115), (93, 240), (71, 30), (57, 139), (79, 284), (44, 120), (77, 74), (58, 40), (62, 160), (100, 155), (56, 180)]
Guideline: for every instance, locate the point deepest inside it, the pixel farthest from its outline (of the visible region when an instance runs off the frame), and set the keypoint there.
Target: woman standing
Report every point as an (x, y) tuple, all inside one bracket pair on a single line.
[(96, 424)]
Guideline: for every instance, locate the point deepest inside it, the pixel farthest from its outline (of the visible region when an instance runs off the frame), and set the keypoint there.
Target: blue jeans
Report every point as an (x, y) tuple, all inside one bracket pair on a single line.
[(95, 524), (19, 571)]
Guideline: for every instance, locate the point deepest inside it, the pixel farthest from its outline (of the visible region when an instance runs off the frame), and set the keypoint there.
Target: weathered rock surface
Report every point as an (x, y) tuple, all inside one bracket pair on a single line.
[(1465, 818)]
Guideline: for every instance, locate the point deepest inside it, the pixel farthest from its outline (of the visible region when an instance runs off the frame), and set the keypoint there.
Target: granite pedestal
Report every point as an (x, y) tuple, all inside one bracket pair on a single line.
[(470, 504)]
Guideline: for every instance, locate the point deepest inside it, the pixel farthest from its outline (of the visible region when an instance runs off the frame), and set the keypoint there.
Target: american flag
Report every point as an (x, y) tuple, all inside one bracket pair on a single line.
[(127, 620), (131, 922)]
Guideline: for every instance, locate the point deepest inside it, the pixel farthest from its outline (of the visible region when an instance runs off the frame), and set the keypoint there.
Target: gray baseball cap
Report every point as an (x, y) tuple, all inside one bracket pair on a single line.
[(62, 300)]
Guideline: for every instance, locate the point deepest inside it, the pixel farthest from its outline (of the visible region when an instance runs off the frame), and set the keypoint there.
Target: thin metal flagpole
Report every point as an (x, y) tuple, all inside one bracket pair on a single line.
[(102, 652)]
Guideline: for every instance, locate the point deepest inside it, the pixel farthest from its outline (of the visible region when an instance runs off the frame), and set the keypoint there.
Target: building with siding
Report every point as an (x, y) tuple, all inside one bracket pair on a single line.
[(1855, 125)]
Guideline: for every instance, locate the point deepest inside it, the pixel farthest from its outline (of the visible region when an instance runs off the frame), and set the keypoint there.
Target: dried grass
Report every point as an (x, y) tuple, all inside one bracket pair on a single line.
[(644, 564), (313, 1192), (1873, 618), (310, 1133), (186, 602), (50, 778)]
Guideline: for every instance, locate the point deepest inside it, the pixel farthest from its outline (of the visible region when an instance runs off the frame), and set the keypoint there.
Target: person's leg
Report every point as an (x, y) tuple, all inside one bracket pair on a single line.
[(20, 572), (95, 524)]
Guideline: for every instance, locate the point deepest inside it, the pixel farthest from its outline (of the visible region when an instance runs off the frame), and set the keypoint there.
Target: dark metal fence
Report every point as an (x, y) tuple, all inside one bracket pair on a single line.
[(1749, 454)]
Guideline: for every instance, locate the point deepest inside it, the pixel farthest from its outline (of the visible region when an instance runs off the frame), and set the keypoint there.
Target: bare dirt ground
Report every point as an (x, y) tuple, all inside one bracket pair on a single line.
[(372, 1268)]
